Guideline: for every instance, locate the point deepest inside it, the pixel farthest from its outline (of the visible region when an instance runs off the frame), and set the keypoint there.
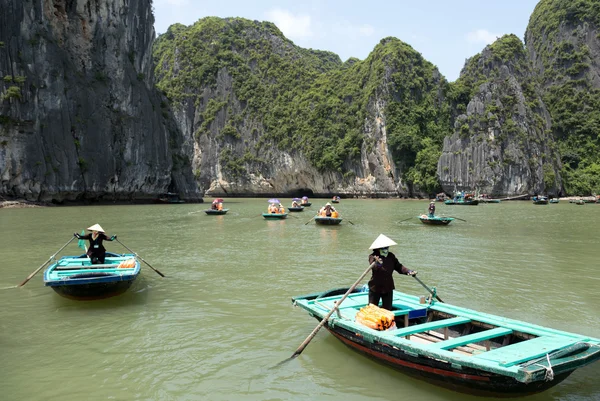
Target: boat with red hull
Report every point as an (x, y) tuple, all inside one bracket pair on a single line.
[(458, 348)]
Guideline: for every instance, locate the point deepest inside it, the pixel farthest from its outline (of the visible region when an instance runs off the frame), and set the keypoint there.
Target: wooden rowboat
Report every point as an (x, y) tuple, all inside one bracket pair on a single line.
[(296, 209), (455, 347), (274, 216), (75, 277), (435, 220), (329, 221), (216, 212)]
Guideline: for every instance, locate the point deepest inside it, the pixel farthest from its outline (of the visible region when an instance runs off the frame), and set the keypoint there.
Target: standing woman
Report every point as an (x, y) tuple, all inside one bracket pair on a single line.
[(96, 250), (381, 285)]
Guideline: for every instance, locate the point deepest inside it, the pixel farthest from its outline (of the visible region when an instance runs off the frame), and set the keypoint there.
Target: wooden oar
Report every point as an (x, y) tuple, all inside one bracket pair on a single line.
[(326, 318), (458, 218), (309, 220), (405, 220), (427, 288), (350, 222), (142, 259), (48, 261)]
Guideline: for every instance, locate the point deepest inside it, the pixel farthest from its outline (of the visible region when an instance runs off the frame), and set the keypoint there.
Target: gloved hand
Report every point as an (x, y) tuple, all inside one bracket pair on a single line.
[(76, 235), (412, 273), (114, 237)]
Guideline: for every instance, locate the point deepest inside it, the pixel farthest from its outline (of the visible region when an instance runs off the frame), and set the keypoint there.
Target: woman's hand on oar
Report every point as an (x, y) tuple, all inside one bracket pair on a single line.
[(142, 259), (427, 288), (326, 317), (48, 261)]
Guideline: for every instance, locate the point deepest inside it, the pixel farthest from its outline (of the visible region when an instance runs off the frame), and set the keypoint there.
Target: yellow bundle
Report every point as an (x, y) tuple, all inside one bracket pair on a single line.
[(375, 317), (127, 264)]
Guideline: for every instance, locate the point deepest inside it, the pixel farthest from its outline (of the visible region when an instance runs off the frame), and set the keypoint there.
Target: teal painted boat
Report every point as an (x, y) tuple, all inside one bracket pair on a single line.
[(470, 202), (216, 212), (75, 277), (554, 200), (455, 347), (274, 216), (296, 208), (435, 220)]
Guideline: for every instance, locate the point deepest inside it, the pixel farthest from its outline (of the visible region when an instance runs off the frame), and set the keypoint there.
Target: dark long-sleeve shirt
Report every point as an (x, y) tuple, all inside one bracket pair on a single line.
[(96, 248), (381, 279)]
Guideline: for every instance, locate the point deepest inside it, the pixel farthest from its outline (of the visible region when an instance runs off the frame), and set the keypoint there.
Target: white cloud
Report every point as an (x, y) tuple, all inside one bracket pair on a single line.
[(482, 36), (292, 26)]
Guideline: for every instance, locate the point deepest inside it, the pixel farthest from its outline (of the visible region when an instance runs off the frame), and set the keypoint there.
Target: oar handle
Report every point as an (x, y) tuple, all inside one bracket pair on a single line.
[(428, 289), (328, 315), (138, 256), (49, 259)]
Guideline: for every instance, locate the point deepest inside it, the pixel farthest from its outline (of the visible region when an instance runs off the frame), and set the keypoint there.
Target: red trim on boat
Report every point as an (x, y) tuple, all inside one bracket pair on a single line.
[(407, 364)]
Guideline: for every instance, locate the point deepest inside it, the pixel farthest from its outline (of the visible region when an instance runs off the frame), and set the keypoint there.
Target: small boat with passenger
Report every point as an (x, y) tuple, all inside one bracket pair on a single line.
[(455, 347), (75, 277)]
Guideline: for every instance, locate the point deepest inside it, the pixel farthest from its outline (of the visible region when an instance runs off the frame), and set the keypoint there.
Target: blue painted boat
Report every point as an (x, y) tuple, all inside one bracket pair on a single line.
[(216, 212), (274, 216), (328, 221), (435, 220), (455, 347), (468, 202), (75, 277)]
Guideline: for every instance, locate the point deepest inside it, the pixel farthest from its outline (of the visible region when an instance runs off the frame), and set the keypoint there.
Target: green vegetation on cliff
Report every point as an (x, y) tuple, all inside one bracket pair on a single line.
[(308, 100), (558, 33)]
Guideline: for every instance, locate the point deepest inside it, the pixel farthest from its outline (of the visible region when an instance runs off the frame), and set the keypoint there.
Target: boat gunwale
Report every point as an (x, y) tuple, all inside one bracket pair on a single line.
[(116, 274)]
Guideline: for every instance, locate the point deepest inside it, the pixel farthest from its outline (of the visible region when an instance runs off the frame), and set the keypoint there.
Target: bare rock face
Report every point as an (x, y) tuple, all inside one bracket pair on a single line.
[(79, 116), (501, 143)]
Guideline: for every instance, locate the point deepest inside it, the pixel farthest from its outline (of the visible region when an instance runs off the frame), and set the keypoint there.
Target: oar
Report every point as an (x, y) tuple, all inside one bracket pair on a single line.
[(48, 261), (142, 259), (309, 220), (326, 318), (427, 288), (350, 222), (405, 220), (458, 218)]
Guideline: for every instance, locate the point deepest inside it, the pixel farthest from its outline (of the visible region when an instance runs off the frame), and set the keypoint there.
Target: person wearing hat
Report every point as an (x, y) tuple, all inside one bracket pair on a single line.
[(326, 210), (431, 209), (96, 251), (381, 284)]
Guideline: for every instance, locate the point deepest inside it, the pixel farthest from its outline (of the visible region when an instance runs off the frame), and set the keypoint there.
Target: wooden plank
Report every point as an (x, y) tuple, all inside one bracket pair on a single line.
[(418, 328), (472, 338), (84, 267), (526, 350)]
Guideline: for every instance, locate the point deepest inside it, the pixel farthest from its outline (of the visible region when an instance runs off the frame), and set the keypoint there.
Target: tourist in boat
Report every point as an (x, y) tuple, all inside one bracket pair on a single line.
[(431, 209), (281, 209), (381, 284), (215, 205), (96, 251), (304, 200), (273, 208), (295, 204), (327, 210)]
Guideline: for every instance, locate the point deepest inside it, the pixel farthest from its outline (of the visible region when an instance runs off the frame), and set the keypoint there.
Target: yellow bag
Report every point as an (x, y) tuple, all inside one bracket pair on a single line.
[(375, 317)]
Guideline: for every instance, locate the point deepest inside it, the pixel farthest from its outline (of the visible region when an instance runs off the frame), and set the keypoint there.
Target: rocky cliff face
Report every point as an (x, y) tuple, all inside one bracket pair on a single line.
[(266, 117), (79, 116), (502, 143)]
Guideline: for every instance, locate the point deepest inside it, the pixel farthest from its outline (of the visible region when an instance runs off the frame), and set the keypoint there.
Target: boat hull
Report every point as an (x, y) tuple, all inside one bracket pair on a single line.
[(274, 216), (464, 380), (435, 221), (93, 291), (540, 202), (328, 221), (296, 209), (474, 202), (216, 212)]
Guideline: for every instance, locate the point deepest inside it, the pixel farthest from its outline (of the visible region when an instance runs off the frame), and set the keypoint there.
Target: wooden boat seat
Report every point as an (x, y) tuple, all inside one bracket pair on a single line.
[(438, 324), (526, 350), (79, 267), (471, 338)]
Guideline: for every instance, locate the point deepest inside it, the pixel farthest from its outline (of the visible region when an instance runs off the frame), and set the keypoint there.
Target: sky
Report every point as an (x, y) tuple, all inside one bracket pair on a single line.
[(445, 32)]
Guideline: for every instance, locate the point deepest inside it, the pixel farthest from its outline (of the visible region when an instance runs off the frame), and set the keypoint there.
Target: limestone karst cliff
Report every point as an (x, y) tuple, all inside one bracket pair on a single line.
[(80, 118), (502, 143)]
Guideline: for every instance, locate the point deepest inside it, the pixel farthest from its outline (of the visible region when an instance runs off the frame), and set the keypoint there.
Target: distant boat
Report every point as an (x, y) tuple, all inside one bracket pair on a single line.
[(296, 208), (216, 211), (274, 216), (456, 347), (540, 200), (336, 199), (328, 221), (435, 220), (168, 197), (465, 202), (75, 277), (488, 200), (554, 200)]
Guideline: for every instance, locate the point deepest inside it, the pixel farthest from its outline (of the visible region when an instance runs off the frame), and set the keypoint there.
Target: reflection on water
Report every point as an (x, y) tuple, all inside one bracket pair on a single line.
[(222, 317)]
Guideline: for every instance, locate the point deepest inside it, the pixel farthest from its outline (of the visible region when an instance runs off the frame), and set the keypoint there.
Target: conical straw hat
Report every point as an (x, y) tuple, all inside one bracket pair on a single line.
[(96, 227), (381, 242)]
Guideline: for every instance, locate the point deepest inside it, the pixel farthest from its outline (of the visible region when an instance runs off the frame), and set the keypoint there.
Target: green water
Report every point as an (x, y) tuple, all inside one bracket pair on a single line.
[(213, 328)]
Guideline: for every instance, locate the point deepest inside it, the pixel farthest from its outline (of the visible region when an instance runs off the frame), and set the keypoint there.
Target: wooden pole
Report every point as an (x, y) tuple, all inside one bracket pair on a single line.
[(48, 261), (142, 259)]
